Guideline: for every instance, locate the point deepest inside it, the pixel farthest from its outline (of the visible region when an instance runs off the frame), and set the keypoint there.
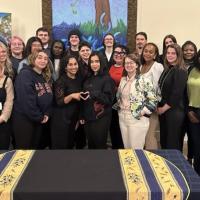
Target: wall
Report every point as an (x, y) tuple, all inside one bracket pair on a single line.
[(156, 17), (178, 17), (26, 16)]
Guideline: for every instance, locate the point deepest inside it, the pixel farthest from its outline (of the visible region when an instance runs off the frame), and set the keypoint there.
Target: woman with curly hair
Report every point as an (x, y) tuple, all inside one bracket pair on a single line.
[(33, 101)]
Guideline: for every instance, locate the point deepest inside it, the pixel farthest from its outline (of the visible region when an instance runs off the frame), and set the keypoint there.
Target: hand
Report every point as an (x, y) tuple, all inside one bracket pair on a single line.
[(192, 117), (76, 96), (45, 119), (82, 121), (163, 109)]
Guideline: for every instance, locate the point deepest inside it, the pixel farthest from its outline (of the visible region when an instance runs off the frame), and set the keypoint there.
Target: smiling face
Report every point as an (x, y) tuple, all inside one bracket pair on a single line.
[(168, 41), (41, 61), (108, 41), (72, 67), (149, 53), (130, 66), (188, 52), (74, 40), (3, 54), (85, 52), (44, 37), (95, 64), (36, 46), (171, 56), (16, 46), (118, 55)]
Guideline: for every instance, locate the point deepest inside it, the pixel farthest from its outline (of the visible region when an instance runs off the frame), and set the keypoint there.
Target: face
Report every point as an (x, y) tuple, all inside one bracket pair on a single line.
[(130, 66), (44, 37), (118, 55), (95, 63), (171, 56), (3, 55), (36, 46), (188, 52), (85, 52), (140, 41), (109, 41), (149, 53), (72, 67), (57, 49), (74, 40), (16, 46), (168, 41), (41, 60)]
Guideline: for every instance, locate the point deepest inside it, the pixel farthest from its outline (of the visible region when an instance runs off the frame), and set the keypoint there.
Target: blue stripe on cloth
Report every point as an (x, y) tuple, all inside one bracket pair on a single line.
[(5, 160), (156, 191), (179, 178)]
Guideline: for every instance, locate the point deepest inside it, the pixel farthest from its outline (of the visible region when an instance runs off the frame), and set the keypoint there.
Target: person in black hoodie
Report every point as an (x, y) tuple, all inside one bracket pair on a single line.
[(33, 101), (66, 110), (97, 103)]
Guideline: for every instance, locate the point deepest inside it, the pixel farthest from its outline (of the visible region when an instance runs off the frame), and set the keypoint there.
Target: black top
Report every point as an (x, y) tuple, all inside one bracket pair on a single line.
[(172, 85), (101, 90), (108, 63), (63, 87), (33, 95), (15, 64)]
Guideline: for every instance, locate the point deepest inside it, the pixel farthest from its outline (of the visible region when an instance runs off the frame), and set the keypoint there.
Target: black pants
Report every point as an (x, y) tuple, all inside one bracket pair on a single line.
[(97, 132), (62, 130), (80, 137), (186, 130), (27, 133), (115, 132), (5, 135), (171, 126), (195, 136)]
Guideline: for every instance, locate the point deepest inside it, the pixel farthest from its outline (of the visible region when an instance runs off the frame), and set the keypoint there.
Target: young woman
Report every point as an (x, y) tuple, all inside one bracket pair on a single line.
[(107, 51), (193, 89), (115, 73), (97, 103), (33, 101), (66, 111), (34, 44), (171, 108), (168, 39), (190, 57), (6, 97), (57, 52), (152, 70), (17, 48), (136, 101)]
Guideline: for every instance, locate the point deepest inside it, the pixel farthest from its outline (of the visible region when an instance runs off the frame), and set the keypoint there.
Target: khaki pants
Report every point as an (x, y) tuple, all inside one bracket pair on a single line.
[(153, 132), (133, 131)]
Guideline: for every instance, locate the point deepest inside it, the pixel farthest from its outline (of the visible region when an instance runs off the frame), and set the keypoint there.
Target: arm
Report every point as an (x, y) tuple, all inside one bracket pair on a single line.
[(7, 109)]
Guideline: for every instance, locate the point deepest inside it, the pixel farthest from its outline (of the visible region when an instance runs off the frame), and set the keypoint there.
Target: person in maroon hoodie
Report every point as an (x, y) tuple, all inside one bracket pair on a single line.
[(33, 101)]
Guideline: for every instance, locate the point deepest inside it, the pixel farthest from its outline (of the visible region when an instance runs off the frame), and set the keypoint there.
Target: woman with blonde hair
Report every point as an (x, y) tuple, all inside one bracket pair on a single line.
[(33, 101), (6, 96)]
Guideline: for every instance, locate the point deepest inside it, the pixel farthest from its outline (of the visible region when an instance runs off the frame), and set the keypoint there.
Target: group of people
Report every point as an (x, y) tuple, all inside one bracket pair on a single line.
[(74, 97)]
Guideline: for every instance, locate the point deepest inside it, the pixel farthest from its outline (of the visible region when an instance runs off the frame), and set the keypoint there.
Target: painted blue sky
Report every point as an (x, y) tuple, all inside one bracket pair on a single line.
[(80, 11)]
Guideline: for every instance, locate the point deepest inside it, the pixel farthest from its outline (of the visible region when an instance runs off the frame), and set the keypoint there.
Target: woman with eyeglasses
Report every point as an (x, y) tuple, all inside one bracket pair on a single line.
[(136, 100), (115, 72)]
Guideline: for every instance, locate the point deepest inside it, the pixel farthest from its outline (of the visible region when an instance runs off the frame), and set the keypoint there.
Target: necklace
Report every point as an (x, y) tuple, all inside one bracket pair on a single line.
[(145, 68)]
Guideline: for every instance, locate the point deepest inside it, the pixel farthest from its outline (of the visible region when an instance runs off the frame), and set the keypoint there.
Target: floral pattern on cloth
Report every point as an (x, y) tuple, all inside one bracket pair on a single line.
[(142, 95)]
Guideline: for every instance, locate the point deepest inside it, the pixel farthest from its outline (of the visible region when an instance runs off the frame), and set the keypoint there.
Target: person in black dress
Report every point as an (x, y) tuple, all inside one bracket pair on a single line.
[(171, 108), (66, 110)]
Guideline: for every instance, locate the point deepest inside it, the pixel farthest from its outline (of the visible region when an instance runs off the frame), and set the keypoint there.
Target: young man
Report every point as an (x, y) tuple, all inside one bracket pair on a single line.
[(44, 36), (140, 41)]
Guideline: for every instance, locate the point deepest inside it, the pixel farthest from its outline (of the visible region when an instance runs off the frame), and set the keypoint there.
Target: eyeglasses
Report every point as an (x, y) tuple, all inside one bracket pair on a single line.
[(119, 53), (129, 63)]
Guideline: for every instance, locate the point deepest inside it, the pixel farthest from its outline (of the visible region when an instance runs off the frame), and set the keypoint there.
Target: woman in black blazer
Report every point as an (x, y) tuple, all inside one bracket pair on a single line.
[(171, 108)]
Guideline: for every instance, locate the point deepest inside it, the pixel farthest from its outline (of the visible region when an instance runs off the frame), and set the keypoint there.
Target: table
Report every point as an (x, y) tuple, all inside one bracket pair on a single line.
[(85, 175)]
